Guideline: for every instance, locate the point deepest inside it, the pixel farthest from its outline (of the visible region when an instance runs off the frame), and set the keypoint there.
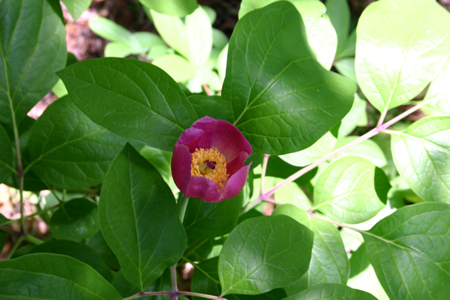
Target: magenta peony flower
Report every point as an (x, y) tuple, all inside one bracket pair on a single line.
[(208, 160)]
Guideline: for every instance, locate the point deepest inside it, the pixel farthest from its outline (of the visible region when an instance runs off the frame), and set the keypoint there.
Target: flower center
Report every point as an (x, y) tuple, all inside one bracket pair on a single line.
[(211, 164)]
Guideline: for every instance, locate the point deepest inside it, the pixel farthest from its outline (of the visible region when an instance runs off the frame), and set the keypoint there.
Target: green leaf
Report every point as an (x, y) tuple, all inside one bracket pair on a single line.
[(133, 99), (75, 220), (439, 90), (390, 53), (329, 261), (357, 116), (339, 13), (331, 291), (134, 191), (422, 156), (32, 49), (176, 8), (176, 66), (346, 66), (68, 150), (199, 36), (359, 261), (118, 49), (349, 48), (276, 94), (6, 156), (148, 40), (321, 34), (125, 288), (410, 251), (207, 106), (76, 7), (205, 220), (111, 31), (160, 160), (52, 276), (98, 243), (220, 39), (367, 149), (264, 253), (319, 149), (346, 192), (78, 251)]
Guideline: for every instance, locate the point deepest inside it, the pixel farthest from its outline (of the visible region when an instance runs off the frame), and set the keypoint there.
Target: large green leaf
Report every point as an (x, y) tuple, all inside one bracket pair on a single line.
[(439, 92), (346, 191), (176, 8), (264, 253), (205, 220), (329, 261), (138, 218), (76, 7), (78, 251), (207, 106), (331, 292), (6, 156), (321, 34), (75, 220), (410, 252), (32, 49), (401, 45), (422, 156), (52, 276), (68, 150), (133, 99), (275, 91), (98, 243)]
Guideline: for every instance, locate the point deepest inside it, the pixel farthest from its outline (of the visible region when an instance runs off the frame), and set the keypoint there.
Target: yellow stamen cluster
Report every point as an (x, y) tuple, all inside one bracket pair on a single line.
[(218, 174)]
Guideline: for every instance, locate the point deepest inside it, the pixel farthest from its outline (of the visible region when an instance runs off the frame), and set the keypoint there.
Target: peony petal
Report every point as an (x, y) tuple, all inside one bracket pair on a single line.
[(190, 138), (181, 167), (235, 183), (230, 142), (208, 126), (237, 163), (203, 188)]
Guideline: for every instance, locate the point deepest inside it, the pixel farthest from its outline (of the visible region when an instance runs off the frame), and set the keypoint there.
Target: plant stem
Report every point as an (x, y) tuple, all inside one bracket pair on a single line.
[(207, 89), (182, 205), (173, 277), (263, 173), (19, 241)]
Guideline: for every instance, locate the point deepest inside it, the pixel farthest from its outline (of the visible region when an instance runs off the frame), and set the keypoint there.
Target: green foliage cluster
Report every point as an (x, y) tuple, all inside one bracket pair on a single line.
[(356, 216)]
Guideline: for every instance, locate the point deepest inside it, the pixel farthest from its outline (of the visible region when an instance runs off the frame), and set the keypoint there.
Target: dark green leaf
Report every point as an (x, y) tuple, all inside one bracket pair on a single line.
[(339, 14), (126, 289), (139, 220), (160, 159), (422, 157), (68, 150), (331, 291), (176, 8), (359, 261), (264, 253), (75, 220), (207, 106), (6, 156), (32, 49), (78, 251), (98, 243), (275, 91), (205, 220), (410, 252), (52, 276), (133, 99)]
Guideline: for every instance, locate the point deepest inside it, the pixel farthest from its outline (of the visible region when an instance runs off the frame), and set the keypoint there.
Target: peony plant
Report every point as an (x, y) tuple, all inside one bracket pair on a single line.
[(301, 179)]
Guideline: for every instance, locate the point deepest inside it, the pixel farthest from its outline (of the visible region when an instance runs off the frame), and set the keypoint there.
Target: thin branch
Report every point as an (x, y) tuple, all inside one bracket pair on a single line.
[(177, 293), (263, 173), (207, 89), (173, 277)]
